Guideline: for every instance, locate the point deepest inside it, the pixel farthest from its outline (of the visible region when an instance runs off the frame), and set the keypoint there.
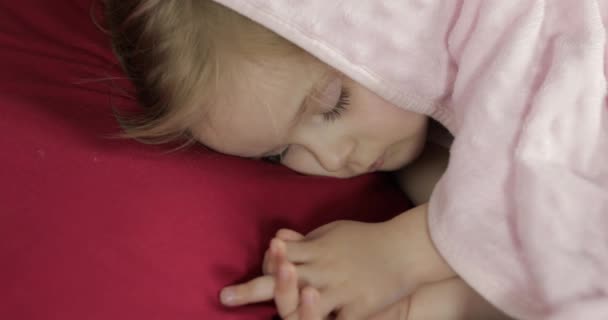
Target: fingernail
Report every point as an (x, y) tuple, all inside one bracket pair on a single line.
[(228, 296)]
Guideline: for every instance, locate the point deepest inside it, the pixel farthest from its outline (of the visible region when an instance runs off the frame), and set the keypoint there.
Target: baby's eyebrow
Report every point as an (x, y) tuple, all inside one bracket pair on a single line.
[(305, 104), (311, 96), (302, 109), (318, 93)]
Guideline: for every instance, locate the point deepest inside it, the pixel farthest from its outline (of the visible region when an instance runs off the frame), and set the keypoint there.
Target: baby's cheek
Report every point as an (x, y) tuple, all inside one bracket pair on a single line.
[(406, 153), (300, 160)]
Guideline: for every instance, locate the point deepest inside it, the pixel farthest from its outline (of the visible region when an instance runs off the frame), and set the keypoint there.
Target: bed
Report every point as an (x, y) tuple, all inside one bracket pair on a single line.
[(96, 227)]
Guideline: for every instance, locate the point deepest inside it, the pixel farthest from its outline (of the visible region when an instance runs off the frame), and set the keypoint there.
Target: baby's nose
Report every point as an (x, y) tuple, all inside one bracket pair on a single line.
[(335, 157)]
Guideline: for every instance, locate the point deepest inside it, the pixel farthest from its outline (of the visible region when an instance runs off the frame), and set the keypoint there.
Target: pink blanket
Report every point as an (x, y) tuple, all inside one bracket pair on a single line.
[(522, 211)]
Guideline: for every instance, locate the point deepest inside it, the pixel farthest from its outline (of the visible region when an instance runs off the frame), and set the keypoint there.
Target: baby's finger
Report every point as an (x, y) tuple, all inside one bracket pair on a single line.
[(328, 301), (300, 251), (289, 235), (266, 263), (312, 275), (286, 290), (257, 290), (274, 256), (308, 309)]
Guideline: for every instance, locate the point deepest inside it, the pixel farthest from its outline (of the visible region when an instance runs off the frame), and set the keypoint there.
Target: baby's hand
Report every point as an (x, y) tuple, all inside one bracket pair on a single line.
[(450, 299), (304, 305), (280, 283), (262, 288), (293, 304), (361, 268)]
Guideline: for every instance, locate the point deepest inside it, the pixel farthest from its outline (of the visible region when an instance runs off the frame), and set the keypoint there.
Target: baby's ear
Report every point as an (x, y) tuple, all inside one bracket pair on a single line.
[(289, 235)]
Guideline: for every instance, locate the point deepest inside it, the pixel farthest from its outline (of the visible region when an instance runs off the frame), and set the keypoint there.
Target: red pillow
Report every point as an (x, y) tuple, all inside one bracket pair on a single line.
[(99, 228)]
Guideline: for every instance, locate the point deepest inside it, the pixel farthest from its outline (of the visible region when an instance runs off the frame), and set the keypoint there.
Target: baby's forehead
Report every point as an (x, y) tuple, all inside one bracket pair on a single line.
[(241, 129), (255, 115)]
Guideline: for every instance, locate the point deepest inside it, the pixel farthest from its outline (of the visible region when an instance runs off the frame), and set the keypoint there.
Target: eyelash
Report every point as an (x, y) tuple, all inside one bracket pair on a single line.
[(339, 108), (331, 116)]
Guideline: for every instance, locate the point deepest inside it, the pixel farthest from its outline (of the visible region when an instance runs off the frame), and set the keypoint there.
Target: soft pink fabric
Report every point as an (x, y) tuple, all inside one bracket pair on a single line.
[(522, 211), (95, 228)]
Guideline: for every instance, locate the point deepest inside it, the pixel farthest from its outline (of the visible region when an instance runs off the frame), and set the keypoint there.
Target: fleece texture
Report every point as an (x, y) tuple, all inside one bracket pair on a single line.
[(522, 211)]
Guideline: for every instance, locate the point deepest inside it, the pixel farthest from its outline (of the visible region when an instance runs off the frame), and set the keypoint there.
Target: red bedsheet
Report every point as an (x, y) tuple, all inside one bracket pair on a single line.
[(98, 228)]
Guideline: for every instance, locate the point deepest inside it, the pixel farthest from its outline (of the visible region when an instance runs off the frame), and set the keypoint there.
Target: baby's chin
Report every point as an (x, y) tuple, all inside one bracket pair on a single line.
[(392, 165), (339, 175), (357, 174), (395, 165), (343, 175)]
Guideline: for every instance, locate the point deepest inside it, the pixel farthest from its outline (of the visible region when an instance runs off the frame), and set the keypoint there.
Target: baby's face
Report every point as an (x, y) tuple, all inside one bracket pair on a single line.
[(313, 121)]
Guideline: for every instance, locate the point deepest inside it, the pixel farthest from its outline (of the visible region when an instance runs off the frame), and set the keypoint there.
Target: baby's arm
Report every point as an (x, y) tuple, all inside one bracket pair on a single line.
[(451, 299)]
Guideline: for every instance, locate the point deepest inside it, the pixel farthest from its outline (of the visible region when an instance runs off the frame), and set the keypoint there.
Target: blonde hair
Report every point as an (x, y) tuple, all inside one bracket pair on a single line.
[(177, 54)]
